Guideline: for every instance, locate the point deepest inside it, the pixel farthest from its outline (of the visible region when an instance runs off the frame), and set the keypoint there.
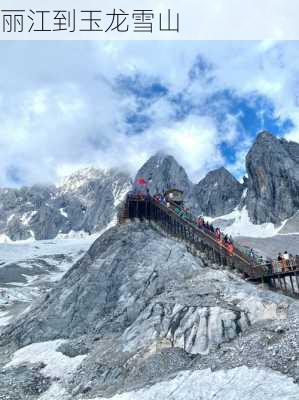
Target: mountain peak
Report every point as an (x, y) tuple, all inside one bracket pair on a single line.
[(160, 157), (218, 193), (273, 179), (82, 176), (265, 135), (265, 138), (220, 171), (79, 177), (221, 174), (162, 171)]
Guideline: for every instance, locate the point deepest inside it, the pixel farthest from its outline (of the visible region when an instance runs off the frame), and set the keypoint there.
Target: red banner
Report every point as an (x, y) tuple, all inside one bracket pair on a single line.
[(141, 181)]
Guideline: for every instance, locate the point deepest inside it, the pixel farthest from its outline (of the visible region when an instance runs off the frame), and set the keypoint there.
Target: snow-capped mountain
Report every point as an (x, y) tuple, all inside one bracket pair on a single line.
[(85, 202), (265, 204)]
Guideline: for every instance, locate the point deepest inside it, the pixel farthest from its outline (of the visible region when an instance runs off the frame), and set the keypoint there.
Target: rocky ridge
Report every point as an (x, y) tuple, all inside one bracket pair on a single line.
[(88, 200), (273, 179), (270, 194), (218, 193)]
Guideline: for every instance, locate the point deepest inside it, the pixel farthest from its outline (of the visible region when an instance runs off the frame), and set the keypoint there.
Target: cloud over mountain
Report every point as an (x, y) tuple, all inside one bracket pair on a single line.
[(114, 104)]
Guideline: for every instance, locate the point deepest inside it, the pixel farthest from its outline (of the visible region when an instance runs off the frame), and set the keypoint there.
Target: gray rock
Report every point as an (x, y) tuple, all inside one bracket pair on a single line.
[(223, 223), (218, 193), (162, 172), (22, 383), (273, 179)]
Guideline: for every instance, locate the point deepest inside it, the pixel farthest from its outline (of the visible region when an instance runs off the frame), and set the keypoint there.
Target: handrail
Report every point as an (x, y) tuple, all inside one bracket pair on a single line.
[(250, 269), (207, 233), (277, 264), (253, 269), (203, 232)]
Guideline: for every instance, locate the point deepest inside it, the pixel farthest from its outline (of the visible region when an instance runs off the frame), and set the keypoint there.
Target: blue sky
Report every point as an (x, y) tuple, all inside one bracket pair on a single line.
[(68, 105)]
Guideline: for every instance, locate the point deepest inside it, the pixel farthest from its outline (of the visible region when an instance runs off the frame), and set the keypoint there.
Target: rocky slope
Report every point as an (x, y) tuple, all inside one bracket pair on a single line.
[(87, 201), (273, 179), (138, 315)]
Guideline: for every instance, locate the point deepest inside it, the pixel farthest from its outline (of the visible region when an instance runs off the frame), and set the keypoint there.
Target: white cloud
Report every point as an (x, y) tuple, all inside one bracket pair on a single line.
[(191, 142), (60, 108)]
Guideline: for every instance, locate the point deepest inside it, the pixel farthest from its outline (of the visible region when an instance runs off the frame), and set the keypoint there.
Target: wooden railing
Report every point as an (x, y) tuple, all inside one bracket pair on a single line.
[(169, 217)]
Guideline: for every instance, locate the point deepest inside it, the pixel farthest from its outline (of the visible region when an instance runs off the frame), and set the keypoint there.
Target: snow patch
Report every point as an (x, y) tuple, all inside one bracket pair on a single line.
[(57, 365), (235, 384), (63, 213), (16, 297), (4, 238), (244, 194), (4, 319), (18, 251), (242, 225), (10, 218), (26, 218), (55, 392)]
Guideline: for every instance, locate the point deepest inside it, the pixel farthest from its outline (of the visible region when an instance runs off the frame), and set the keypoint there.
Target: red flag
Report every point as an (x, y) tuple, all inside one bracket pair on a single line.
[(141, 181)]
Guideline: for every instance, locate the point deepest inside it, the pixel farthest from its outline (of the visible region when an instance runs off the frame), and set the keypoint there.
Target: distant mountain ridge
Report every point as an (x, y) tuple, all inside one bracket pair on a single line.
[(89, 199)]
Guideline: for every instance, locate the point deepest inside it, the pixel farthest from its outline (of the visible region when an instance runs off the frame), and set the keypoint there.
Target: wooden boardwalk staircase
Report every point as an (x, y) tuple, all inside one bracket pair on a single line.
[(170, 218)]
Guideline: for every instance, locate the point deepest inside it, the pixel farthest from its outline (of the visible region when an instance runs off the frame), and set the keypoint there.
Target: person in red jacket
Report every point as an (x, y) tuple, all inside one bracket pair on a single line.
[(230, 248)]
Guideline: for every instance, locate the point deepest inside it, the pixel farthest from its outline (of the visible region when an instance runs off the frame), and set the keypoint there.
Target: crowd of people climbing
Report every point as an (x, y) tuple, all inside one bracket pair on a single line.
[(285, 262), (222, 238), (184, 213)]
